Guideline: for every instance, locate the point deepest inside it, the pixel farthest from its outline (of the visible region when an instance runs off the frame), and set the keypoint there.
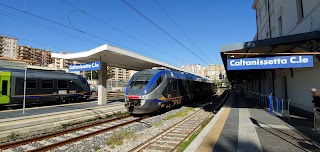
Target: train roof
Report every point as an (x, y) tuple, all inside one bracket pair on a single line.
[(32, 70), (46, 74), (178, 75)]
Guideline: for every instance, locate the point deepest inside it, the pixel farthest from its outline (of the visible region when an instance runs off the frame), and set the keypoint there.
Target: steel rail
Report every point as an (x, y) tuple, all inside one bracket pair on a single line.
[(26, 141), (218, 107), (159, 135), (72, 140), (154, 138), (198, 127)]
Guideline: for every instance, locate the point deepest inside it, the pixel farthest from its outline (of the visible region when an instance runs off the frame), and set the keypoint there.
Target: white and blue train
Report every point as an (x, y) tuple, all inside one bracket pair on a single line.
[(151, 90)]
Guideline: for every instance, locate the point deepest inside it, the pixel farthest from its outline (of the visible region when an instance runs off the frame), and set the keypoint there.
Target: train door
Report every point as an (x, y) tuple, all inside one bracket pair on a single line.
[(5, 87), (169, 88)]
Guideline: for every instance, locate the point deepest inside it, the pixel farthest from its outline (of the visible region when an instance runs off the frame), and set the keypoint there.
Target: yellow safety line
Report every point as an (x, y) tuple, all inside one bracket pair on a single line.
[(212, 137)]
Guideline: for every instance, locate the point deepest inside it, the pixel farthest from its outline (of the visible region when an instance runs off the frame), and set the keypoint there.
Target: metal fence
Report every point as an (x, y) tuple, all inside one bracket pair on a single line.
[(316, 118), (277, 106)]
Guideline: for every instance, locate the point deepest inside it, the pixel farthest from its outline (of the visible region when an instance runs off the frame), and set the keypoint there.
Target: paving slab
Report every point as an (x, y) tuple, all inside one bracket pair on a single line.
[(250, 129)]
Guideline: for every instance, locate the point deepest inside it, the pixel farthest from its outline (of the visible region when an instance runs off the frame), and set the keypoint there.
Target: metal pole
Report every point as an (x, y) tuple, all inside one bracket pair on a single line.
[(282, 107), (91, 76), (24, 90), (289, 109)]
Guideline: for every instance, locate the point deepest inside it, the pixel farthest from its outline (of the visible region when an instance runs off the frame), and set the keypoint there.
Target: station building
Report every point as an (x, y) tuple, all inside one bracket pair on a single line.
[(284, 28)]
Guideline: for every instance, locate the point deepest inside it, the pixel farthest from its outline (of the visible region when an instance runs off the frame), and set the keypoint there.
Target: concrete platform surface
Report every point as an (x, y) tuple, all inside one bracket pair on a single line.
[(46, 117), (6, 114), (239, 127)]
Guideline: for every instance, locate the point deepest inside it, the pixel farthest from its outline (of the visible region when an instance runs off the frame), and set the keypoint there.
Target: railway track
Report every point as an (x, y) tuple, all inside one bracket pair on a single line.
[(21, 126), (59, 139), (170, 139)]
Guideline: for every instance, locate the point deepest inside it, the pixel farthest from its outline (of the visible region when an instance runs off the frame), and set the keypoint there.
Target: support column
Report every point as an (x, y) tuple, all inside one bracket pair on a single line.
[(102, 84)]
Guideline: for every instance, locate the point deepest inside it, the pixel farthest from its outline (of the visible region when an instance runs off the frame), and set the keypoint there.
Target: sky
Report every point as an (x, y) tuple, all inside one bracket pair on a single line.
[(177, 32)]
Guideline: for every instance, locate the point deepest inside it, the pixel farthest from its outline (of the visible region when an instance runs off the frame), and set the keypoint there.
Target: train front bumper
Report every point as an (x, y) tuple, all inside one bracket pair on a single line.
[(141, 107)]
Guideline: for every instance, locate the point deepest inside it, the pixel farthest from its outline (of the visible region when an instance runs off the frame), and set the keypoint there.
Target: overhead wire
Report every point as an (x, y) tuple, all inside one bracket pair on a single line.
[(72, 28), (41, 43), (180, 29), (46, 27), (117, 29), (149, 20)]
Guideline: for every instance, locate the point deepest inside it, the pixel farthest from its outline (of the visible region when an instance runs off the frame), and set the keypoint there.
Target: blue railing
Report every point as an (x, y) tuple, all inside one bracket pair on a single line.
[(277, 106)]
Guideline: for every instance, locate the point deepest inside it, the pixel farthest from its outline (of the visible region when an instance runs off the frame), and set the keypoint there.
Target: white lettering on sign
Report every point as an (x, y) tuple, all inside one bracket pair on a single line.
[(274, 61), (81, 66), (258, 62), (95, 65), (299, 60)]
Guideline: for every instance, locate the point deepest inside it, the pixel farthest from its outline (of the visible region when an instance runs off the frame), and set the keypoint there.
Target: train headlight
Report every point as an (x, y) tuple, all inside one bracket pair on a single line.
[(143, 97)]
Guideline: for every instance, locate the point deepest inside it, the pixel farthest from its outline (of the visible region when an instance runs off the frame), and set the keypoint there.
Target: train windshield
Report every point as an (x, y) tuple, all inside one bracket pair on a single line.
[(140, 81), (83, 80)]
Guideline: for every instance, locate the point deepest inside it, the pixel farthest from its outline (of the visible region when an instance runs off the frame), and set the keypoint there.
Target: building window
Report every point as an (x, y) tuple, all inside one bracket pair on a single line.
[(280, 26), (299, 10), (259, 13), (266, 5)]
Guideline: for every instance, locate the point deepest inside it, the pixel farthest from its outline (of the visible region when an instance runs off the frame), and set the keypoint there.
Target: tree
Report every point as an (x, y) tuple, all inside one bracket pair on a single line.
[(95, 74)]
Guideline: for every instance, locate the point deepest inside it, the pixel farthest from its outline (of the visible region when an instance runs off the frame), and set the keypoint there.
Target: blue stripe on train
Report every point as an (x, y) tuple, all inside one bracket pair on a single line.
[(153, 80), (157, 100), (35, 96)]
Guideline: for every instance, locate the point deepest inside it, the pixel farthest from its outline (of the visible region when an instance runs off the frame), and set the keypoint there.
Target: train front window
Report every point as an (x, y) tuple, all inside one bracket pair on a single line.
[(140, 81), (4, 87)]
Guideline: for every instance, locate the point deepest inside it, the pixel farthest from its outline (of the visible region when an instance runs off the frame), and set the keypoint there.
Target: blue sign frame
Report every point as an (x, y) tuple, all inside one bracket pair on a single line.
[(270, 62), (85, 67)]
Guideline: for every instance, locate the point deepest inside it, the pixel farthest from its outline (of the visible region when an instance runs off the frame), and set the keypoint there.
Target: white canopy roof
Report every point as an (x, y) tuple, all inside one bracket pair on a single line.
[(117, 57)]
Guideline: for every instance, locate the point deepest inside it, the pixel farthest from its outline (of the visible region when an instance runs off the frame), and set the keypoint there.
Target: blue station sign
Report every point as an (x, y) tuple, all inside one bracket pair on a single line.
[(84, 67), (270, 62)]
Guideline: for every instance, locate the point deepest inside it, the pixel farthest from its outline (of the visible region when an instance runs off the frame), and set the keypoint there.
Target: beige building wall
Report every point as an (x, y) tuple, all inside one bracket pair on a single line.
[(8, 47), (41, 57), (122, 74), (212, 71)]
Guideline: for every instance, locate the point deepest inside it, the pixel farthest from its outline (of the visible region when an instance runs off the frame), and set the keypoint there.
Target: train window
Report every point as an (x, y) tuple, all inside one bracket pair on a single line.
[(175, 86), (62, 84), (30, 84), (47, 84), (186, 85), (4, 87), (159, 80), (140, 81)]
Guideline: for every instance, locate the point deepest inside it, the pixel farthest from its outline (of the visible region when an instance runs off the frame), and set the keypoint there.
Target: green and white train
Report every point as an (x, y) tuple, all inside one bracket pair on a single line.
[(41, 86)]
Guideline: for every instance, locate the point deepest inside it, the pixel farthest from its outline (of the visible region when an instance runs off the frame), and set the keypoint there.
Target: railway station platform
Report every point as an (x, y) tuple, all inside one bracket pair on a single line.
[(47, 117), (238, 126)]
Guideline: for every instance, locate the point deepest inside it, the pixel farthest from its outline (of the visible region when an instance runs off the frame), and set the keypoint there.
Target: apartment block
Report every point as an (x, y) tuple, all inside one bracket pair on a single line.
[(122, 74), (41, 57), (194, 68), (8, 47), (212, 71)]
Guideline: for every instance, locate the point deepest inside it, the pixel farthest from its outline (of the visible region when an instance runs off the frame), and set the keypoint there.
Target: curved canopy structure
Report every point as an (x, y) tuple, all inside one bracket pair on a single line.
[(117, 57)]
